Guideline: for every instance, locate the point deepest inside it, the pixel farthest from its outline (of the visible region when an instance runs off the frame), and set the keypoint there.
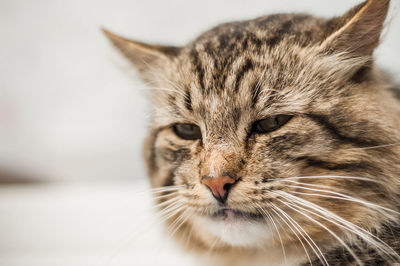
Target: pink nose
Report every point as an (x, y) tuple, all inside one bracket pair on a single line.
[(219, 186)]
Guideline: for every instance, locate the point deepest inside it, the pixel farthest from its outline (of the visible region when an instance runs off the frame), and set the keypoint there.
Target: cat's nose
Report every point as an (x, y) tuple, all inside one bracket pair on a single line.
[(219, 186)]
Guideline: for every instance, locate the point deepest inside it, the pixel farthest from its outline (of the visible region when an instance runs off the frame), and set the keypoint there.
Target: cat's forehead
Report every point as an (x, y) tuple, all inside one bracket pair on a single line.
[(233, 64), (267, 32), (222, 58)]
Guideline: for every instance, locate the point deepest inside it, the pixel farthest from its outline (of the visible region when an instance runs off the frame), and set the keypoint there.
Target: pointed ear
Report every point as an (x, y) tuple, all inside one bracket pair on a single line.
[(359, 30), (145, 57)]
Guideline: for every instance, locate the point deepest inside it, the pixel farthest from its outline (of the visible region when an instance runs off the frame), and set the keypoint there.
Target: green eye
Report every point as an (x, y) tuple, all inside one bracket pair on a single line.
[(187, 131), (270, 124)]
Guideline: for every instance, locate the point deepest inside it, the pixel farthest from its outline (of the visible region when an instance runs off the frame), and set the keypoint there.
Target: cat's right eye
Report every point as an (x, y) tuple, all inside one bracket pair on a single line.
[(187, 131), (270, 124)]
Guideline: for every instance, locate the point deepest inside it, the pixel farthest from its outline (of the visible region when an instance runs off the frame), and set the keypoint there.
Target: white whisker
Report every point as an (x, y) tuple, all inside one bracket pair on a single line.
[(375, 147), (170, 211), (170, 194), (340, 222), (183, 217), (164, 189), (275, 210), (317, 252), (212, 246), (324, 227), (327, 177), (344, 197), (271, 219), (167, 202)]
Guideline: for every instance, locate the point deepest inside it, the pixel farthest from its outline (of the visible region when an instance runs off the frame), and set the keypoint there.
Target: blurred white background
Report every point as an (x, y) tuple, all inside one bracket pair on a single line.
[(72, 110)]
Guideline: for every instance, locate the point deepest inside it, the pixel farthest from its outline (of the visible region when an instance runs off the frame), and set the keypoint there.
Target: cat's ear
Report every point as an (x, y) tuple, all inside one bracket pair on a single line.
[(358, 31), (145, 57)]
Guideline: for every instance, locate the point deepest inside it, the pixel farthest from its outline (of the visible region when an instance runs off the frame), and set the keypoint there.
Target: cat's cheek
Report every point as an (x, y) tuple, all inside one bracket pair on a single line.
[(239, 233)]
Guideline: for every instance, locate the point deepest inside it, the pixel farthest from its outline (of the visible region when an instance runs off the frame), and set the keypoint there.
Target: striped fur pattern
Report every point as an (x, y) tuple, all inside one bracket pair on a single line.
[(322, 189)]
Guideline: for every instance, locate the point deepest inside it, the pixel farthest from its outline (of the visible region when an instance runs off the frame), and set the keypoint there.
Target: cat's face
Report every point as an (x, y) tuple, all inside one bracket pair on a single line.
[(266, 125), (265, 121)]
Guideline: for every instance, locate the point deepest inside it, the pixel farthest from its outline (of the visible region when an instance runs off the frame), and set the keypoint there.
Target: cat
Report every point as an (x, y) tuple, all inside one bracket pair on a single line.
[(275, 141)]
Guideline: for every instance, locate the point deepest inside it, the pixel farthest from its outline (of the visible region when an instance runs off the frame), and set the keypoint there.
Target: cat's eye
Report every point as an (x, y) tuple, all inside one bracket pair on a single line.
[(187, 131), (270, 124)]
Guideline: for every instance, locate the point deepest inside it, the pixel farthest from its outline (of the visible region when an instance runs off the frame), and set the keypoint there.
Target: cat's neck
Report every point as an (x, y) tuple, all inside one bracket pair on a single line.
[(261, 257)]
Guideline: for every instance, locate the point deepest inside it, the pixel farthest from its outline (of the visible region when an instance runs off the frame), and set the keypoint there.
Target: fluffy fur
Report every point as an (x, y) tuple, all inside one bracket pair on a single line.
[(324, 188)]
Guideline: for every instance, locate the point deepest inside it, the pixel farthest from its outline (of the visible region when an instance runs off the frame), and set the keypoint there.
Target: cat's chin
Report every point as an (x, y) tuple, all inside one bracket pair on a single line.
[(237, 228)]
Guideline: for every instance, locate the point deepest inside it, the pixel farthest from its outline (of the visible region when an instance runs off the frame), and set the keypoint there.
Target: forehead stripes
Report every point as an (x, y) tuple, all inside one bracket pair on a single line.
[(215, 54), (246, 67), (197, 67)]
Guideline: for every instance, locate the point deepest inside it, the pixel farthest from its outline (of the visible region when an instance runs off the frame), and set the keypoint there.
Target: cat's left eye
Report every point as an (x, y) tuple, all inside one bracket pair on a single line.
[(270, 124), (187, 131)]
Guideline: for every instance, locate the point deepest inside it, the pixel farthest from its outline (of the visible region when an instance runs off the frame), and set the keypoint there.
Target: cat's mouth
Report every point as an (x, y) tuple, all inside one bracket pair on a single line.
[(231, 214)]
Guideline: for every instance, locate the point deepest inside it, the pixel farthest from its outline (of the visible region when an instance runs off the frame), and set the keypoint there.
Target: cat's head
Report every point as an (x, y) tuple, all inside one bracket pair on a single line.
[(269, 124)]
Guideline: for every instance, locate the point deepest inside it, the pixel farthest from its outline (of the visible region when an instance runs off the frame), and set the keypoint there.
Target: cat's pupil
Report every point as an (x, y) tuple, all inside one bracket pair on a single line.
[(187, 131), (271, 123)]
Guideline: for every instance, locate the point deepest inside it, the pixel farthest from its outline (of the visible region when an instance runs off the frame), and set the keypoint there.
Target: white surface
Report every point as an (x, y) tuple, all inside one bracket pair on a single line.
[(71, 109), (82, 225)]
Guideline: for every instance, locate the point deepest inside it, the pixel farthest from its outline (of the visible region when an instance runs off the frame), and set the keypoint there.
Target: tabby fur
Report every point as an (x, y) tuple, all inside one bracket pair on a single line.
[(328, 181)]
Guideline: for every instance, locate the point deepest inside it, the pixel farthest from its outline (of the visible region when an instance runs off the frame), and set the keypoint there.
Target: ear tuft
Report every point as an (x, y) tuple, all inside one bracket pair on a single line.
[(359, 30)]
